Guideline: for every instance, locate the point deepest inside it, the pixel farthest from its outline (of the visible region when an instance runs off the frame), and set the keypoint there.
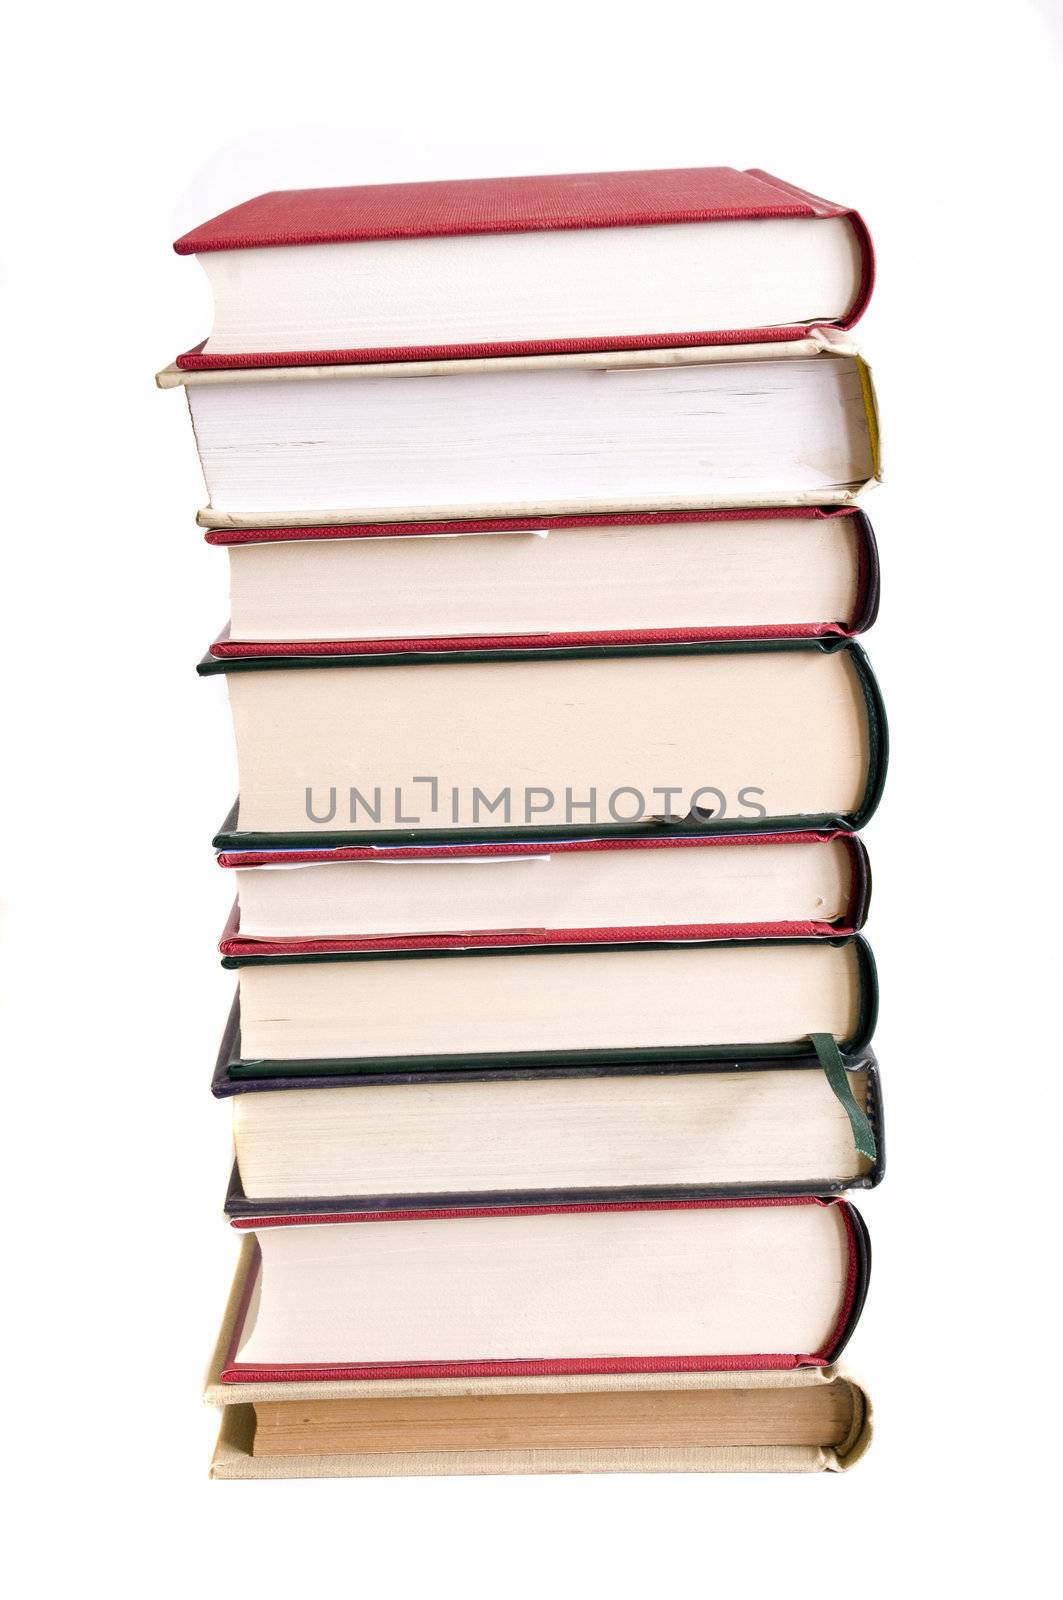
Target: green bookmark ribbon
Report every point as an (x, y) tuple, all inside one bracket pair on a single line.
[(830, 1059)]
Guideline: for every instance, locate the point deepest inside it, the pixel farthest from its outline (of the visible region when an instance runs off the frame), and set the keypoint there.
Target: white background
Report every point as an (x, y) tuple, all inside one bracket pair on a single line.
[(125, 126)]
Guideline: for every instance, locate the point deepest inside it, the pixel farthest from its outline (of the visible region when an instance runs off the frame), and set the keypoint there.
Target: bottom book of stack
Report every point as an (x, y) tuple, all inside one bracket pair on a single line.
[(468, 1340)]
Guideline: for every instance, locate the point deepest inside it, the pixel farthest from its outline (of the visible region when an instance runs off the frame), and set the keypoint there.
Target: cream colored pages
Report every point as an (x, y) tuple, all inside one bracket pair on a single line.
[(702, 1281), (552, 1133), (579, 999), (663, 575), (718, 433), (561, 738), (576, 284), (682, 885)]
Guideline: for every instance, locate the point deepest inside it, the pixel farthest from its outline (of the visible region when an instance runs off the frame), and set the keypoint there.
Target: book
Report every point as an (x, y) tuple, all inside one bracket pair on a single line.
[(380, 749), (510, 1134), (614, 260), (634, 578), (701, 428), (566, 1004), (761, 885), (785, 1427), (762, 1421), (608, 1287)]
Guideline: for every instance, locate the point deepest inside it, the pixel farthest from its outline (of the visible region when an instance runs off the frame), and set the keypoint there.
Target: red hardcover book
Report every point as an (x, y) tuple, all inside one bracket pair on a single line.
[(633, 578), (780, 875), (564, 1289), (445, 270)]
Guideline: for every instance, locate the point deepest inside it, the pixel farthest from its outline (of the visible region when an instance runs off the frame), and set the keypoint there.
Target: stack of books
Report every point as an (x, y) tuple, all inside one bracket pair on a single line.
[(550, 1064)]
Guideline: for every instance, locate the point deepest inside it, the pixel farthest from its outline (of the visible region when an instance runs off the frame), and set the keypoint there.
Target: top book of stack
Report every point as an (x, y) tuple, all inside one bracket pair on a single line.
[(526, 266)]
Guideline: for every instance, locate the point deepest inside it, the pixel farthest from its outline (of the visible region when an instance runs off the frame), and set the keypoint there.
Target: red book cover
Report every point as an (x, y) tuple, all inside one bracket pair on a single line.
[(854, 1293), (472, 206), (234, 944), (864, 610)]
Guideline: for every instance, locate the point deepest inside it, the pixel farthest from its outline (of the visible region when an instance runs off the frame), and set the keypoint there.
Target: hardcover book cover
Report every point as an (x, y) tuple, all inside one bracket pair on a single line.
[(853, 1292), (558, 203), (858, 620), (235, 943), (525, 669), (854, 949)]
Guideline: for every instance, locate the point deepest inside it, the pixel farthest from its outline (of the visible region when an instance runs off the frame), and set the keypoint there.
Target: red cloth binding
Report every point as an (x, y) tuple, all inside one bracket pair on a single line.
[(229, 650), (626, 519), (465, 206), (531, 938), (443, 852)]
